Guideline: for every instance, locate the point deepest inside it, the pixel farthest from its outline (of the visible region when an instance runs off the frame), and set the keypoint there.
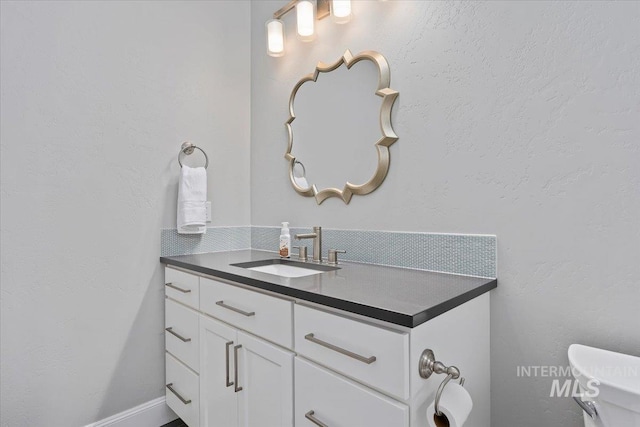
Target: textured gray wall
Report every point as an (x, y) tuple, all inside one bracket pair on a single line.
[(96, 98), (520, 119)]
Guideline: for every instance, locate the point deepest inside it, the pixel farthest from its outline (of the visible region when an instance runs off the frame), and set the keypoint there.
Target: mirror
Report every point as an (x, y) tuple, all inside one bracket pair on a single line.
[(341, 118)]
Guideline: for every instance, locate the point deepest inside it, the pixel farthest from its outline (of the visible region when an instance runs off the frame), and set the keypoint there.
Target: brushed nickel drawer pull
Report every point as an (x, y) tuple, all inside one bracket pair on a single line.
[(172, 286), (226, 359), (235, 368), (237, 310), (310, 417), (182, 399), (180, 337), (367, 360)]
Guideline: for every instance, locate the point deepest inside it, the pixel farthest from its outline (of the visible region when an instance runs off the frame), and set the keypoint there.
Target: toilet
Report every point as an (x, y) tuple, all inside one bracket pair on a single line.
[(610, 383)]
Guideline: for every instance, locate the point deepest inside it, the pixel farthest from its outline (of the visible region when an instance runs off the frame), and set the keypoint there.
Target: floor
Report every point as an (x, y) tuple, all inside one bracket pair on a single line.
[(176, 423)]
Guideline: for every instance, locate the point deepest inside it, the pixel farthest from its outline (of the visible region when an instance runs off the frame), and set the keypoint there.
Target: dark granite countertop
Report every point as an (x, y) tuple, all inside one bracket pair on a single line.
[(397, 295)]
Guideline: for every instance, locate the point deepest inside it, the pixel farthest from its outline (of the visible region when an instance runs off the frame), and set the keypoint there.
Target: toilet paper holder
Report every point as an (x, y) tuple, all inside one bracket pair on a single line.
[(429, 365)]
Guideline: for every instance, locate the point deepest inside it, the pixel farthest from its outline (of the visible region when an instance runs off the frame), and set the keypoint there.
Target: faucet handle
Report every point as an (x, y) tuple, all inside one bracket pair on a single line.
[(332, 257), (302, 253)]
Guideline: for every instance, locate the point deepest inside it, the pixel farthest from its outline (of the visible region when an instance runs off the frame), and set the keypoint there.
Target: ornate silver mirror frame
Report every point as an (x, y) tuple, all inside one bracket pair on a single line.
[(382, 145)]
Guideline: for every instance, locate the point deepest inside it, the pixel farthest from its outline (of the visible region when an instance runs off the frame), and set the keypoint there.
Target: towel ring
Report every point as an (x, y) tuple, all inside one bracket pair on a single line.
[(187, 149)]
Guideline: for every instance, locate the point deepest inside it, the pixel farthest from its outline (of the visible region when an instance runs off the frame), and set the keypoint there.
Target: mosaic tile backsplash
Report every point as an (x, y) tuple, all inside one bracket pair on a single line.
[(468, 254), (216, 239), (473, 255)]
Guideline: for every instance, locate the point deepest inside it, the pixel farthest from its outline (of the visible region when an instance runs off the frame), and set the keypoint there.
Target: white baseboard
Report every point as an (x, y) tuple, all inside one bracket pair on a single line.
[(154, 413)]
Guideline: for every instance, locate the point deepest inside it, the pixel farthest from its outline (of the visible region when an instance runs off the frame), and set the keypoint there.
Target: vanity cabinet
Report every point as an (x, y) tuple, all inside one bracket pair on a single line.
[(238, 356), (228, 357)]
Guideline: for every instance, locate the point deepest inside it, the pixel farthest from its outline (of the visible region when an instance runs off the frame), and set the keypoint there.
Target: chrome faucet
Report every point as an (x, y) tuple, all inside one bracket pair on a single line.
[(317, 242)]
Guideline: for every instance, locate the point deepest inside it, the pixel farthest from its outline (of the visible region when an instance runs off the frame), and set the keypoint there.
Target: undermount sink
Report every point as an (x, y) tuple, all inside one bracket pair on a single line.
[(285, 268)]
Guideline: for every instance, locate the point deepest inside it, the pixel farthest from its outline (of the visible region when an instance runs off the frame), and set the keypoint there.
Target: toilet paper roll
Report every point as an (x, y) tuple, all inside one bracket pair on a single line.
[(455, 406)]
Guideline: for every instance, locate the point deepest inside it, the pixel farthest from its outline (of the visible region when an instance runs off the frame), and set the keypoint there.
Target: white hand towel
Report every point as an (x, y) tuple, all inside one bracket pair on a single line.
[(192, 201)]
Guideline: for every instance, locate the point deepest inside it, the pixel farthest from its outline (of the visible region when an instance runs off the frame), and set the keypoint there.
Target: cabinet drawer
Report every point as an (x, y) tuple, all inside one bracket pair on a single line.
[(373, 355), (182, 336), (182, 384), (338, 402), (182, 287), (263, 315)]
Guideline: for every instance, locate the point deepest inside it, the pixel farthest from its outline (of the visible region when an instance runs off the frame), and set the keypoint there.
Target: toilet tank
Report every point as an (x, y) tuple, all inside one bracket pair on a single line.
[(616, 379)]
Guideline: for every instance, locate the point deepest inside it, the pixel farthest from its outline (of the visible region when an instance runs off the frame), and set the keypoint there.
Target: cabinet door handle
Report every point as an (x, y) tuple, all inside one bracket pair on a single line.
[(172, 286), (182, 399), (235, 368), (368, 360), (175, 334), (226, 358), (310, 417), (237, 310)]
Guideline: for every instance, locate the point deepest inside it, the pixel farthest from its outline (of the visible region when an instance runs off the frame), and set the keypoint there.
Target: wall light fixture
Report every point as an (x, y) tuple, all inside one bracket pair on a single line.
[(339, 9), (304, 13)]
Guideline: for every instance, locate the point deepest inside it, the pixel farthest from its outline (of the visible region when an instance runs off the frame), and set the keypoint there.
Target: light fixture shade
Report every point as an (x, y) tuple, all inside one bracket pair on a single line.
[(304, 11), (275, 38), (341, 11)]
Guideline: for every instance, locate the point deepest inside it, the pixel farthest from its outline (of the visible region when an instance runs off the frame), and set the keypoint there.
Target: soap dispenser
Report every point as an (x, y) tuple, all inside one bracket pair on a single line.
[(285, 241)]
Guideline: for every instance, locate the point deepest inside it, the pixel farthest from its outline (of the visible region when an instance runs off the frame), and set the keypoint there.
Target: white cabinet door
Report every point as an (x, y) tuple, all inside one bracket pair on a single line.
[(375, 356), (182, 391), (266, 316), (183, 287), (266, 378), (218, 397), (326, 398), (182, 336)]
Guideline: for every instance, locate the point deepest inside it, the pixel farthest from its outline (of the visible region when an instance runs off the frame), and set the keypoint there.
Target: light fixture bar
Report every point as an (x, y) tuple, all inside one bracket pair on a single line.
[(285, 9), (322, 9)]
